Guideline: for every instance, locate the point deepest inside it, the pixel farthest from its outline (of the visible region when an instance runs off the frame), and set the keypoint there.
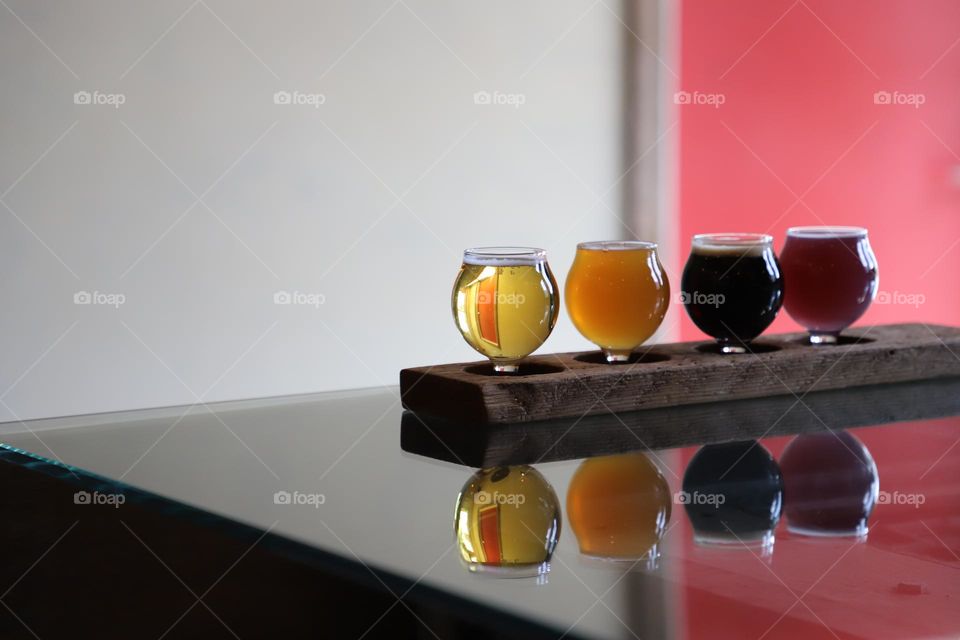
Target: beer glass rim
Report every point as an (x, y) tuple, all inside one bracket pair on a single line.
[(732, 240), (504, 256), (826, 231), (616, 245)]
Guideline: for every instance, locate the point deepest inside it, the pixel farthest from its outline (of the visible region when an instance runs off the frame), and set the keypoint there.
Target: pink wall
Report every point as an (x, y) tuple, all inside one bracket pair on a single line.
[(798, 120)]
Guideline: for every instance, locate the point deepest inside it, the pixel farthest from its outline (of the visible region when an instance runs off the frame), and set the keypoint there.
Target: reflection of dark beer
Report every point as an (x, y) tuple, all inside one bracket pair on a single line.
[(732, 287), (733, 493)]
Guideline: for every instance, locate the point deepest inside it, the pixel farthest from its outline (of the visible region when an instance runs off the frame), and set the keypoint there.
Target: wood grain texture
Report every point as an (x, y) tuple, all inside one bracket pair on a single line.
[(577, 384)]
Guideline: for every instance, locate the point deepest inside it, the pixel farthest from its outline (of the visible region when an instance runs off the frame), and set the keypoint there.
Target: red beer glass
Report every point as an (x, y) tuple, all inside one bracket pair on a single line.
[(830, 278)]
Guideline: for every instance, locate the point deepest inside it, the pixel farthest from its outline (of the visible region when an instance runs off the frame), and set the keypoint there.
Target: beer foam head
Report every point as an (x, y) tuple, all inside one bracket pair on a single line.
[(617, 245), (731, 244), (826, 232), (504, 256)]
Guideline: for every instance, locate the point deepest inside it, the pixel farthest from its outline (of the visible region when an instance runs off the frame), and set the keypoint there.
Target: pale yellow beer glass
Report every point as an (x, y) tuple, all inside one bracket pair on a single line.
[(505, 303)]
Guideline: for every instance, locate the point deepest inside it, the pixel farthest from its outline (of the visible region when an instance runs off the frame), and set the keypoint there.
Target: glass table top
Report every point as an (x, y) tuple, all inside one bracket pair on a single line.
[(710, 521)]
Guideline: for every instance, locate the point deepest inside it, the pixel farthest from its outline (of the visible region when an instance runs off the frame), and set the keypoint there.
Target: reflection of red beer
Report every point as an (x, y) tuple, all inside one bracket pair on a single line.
[(831, 484), (830, 277)]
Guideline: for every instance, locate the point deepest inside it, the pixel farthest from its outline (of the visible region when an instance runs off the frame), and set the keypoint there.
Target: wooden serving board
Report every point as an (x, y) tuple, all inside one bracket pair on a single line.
[(572, 438), (580, 384)]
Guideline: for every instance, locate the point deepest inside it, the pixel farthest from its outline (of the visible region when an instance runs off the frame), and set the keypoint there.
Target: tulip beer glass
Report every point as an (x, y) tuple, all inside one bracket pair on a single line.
[(831, 276), (505, 303), (732, 288), (617, 294)]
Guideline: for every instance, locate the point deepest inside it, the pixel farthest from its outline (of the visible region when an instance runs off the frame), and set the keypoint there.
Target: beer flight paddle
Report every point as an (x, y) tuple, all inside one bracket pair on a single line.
[(506, 302)]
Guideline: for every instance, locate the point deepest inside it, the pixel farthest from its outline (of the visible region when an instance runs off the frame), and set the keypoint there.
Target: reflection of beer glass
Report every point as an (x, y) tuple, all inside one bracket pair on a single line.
[(617, 294), (507, 522), (733, 494), (831, 276), (831, 482), (505, 303), (618, 507), (732, 287)]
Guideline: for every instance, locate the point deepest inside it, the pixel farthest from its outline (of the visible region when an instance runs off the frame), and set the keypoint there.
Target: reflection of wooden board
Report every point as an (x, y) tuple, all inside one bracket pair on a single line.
[(492, 445), (578, 384)]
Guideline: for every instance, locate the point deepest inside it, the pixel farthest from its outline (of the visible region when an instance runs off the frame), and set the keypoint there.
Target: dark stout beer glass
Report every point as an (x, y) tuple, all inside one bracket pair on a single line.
[(731, 287)]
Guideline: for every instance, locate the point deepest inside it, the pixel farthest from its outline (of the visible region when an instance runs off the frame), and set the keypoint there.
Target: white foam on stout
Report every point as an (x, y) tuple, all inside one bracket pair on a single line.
[(505, 257), (731, 246)]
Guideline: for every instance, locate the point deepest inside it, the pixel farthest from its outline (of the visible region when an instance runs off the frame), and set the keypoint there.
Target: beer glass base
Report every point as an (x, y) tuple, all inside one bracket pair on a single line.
[(505, 368), (732, 348), (859, 532), (532, 570), (822, 338), (614, 357), (759, 540), (649, 560)]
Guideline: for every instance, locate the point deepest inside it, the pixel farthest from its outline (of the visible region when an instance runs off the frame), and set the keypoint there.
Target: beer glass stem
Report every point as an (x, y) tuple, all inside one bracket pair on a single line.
[(617, 355), (823, 338), (505, 368)]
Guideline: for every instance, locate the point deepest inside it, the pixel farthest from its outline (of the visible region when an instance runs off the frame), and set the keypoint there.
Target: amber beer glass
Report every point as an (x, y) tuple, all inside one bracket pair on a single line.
[(618, 507), (832, 278), (505, 303), (617, 294)]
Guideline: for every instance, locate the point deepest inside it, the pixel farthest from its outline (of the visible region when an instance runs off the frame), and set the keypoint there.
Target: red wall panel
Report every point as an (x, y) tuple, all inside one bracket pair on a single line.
[(799, 139)]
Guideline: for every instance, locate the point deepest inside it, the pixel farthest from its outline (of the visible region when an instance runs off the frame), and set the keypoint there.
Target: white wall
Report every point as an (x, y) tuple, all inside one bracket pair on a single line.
[(367, 200)]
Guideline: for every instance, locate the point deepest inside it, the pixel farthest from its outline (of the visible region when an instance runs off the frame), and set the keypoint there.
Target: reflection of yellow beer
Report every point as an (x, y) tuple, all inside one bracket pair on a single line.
[(618, 506), (505, 305), (508, 518), (617, 294)]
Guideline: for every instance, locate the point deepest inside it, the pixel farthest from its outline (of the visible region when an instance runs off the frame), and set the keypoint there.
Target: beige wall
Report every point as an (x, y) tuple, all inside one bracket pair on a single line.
[(198, 198)]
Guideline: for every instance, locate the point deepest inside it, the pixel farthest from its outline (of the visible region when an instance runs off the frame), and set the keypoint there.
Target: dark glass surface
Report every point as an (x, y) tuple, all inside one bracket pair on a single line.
[(303, 516)]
